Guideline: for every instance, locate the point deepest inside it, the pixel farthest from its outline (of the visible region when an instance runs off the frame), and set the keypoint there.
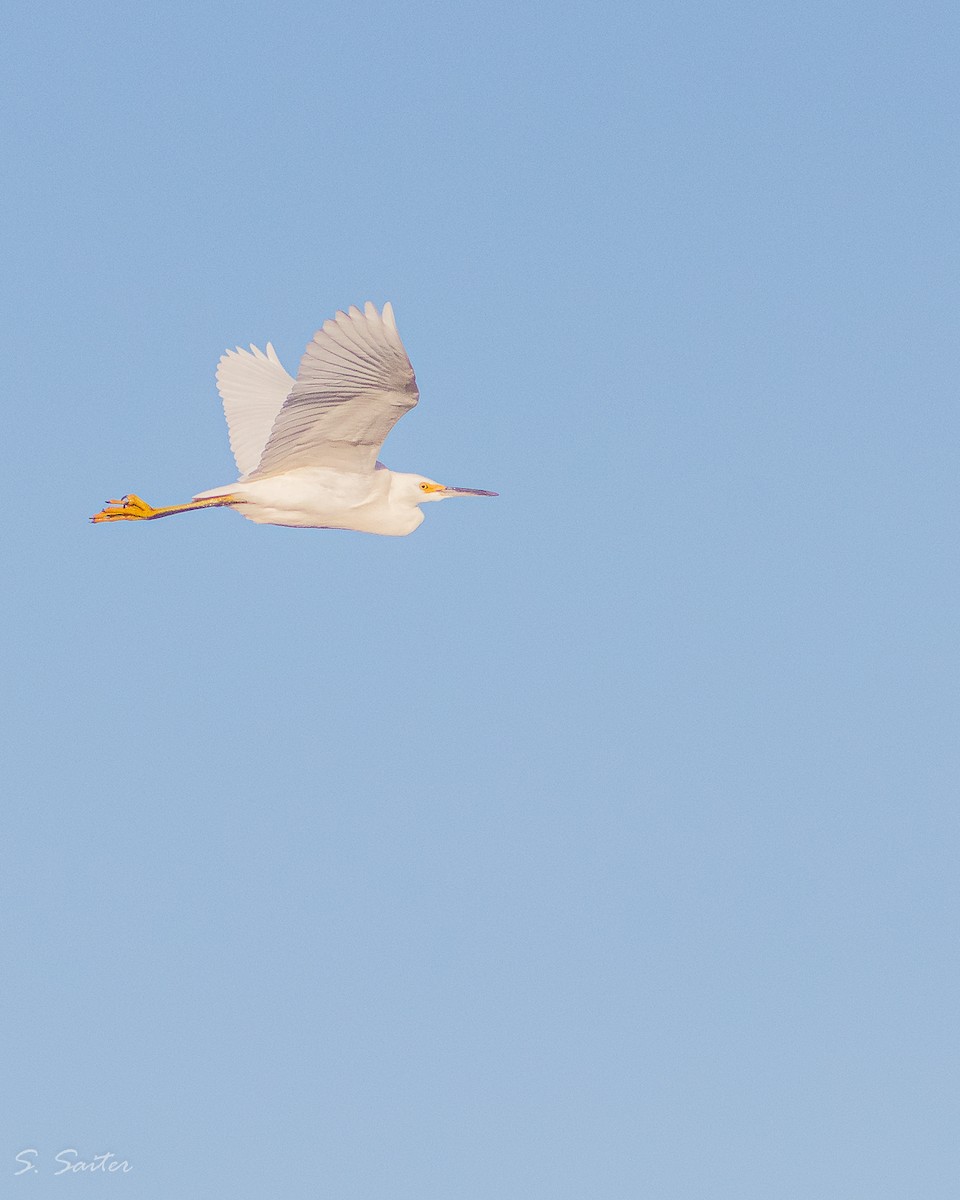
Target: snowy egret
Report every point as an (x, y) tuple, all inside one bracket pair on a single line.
[(306, 449)]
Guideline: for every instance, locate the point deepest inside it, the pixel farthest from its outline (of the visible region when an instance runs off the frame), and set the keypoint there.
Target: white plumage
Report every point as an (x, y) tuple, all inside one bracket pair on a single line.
[(253, 387), (306, 449)]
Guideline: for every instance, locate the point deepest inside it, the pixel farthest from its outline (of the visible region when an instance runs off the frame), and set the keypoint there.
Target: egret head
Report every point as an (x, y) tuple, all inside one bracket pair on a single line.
[(420, 489)]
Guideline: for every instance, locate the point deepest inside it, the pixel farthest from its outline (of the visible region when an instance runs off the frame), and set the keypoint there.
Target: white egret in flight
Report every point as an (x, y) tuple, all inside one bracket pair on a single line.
[(306, 449)]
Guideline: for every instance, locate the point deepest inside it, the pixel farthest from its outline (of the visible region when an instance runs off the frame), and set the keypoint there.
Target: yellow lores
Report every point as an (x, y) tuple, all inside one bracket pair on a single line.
[(306, 449)]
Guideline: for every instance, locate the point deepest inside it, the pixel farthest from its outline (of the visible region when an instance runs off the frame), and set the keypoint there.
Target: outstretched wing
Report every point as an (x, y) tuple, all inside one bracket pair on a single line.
[(253, 387), (355, 382)]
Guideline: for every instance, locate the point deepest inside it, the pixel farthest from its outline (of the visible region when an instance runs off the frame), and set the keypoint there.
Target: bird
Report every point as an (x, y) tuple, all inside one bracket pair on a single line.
[(307, 449)]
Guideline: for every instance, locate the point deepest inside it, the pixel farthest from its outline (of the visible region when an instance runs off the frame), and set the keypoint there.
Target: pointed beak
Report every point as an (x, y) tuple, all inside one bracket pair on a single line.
[(452, 491)]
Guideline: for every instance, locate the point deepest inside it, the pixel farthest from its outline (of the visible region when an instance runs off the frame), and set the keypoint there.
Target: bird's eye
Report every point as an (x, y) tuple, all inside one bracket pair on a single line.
[(424, 487)]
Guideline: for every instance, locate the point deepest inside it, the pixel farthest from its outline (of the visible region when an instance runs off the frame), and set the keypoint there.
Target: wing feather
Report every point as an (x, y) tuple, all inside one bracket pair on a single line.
[(354, 383), (253, 387)]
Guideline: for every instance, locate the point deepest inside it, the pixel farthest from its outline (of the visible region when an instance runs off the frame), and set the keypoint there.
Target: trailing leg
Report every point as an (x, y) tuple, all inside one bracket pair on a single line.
[(132, 508)]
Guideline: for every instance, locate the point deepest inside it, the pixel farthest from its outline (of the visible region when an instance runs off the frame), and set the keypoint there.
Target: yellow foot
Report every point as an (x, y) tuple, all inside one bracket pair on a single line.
[(128, 508)]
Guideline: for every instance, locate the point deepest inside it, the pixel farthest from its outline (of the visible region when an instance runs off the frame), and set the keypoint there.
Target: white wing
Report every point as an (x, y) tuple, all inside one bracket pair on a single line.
[(253, 387), (355, 382)]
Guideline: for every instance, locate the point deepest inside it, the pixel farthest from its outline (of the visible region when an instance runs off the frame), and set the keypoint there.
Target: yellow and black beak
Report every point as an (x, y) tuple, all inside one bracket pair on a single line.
[(454, 491)]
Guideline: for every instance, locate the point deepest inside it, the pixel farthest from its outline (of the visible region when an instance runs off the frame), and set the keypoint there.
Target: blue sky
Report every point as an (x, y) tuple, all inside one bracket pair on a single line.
[(599, 840)]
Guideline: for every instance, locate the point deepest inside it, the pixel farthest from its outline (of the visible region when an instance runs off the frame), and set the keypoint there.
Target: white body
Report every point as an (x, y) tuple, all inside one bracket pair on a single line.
[(306, 448), (324, 498)]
